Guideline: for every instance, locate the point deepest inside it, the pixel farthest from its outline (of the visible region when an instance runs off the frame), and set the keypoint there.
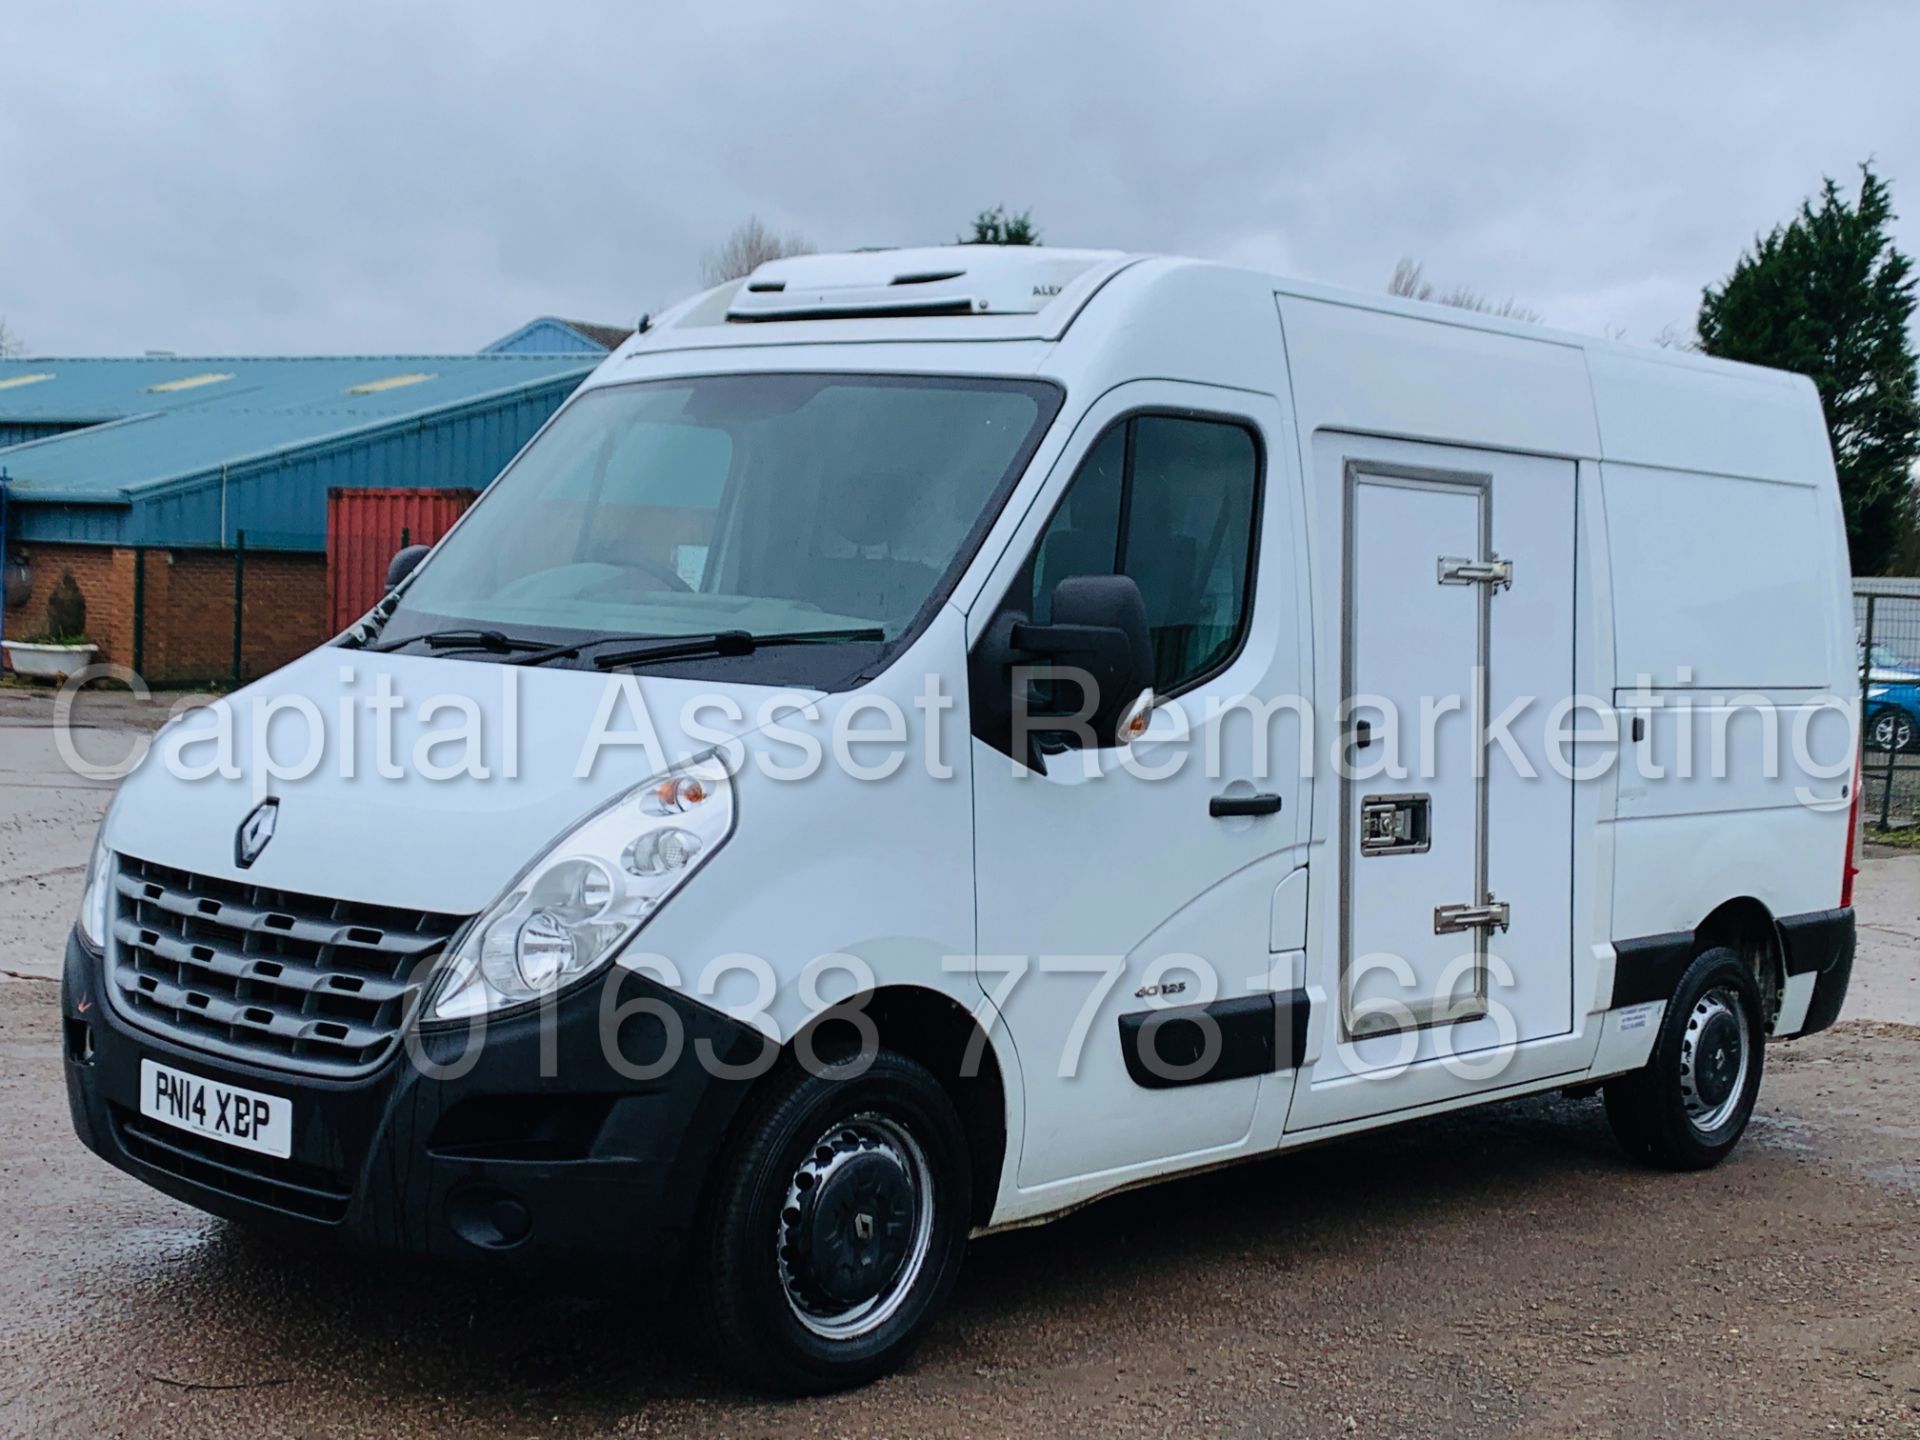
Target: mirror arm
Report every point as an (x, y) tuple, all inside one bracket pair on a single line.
[(1049, 642)]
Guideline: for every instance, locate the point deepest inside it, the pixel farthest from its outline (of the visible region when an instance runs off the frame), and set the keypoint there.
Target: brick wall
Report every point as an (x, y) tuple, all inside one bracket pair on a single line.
[(187, 630), (105, 578), (286, 600)]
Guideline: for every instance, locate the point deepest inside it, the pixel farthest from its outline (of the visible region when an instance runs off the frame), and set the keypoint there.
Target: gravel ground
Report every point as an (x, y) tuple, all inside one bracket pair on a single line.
[(1503, 1272)]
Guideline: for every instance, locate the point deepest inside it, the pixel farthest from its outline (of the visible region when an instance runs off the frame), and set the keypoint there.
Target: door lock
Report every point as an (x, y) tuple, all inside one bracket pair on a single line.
[(1395, 824)]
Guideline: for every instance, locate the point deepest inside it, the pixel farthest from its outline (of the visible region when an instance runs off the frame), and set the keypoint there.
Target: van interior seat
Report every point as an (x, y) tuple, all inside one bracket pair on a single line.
[(871, 514)]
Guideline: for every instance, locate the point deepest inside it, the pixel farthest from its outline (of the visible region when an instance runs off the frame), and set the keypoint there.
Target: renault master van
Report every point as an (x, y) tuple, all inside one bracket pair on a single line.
[(922, 740)]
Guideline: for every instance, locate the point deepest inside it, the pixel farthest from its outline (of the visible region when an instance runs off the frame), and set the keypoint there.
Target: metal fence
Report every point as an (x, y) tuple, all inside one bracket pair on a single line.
[(1887, 620), (221, 614)]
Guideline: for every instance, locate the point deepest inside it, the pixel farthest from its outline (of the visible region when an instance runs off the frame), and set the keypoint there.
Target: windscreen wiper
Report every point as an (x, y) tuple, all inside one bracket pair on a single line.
[(497, 641), (534, 652), (721, 642)]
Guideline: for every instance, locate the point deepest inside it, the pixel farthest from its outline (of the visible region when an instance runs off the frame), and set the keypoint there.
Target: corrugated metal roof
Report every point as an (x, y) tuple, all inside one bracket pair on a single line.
[(550, 335), (147, 432)]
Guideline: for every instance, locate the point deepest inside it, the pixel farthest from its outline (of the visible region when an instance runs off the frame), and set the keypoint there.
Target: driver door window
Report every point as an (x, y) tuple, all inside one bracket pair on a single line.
[(1171, 501)]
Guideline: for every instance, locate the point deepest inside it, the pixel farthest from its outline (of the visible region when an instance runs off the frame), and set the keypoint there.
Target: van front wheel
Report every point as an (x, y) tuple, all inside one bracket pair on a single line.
[(837, 1223), (1689, 1106)]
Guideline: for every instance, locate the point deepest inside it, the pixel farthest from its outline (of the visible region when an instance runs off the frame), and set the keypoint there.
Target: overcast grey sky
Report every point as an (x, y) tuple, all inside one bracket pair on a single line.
[(337, 177)]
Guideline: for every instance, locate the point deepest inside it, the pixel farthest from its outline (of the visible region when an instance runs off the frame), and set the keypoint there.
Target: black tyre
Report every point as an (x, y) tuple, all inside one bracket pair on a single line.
[(1688, 1107), (1890, 729), (836, 1225)]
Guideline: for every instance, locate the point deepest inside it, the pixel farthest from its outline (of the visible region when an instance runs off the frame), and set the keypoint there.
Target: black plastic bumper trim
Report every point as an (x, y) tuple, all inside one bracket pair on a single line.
[(1649, 968), (1815, 942), (1823, 942), (1819, 943), (318, 1198), (1226, 1040), (607, 1192)]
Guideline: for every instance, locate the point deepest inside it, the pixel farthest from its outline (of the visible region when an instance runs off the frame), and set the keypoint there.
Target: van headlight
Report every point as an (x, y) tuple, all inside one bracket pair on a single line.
[(95, 893), (572, 909)]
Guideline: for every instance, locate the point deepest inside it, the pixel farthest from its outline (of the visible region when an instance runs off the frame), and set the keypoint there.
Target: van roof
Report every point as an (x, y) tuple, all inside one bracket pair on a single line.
[(946, 280), (1019, 292), (944, 292)]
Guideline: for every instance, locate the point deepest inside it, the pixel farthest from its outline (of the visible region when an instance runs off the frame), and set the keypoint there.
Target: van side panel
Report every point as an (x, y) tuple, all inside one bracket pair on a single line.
[(1733, 666), (1375, 372), (1672, 871), (1684, 412), (1712, 581)]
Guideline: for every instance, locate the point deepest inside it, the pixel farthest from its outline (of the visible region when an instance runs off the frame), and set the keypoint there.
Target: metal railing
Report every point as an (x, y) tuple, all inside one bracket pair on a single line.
[(1887, 619), (180, 643)]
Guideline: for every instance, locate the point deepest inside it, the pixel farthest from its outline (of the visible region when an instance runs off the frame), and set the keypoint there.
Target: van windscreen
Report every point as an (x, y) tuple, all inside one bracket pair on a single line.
[(774, 503)]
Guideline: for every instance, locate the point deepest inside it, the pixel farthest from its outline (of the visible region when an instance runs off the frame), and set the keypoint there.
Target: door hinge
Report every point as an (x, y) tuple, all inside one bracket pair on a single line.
[(1451, 919), (1495, 572)]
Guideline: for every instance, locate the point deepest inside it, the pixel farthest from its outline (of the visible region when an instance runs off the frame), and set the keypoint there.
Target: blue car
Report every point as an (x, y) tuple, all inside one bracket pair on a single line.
[(1893, 702)]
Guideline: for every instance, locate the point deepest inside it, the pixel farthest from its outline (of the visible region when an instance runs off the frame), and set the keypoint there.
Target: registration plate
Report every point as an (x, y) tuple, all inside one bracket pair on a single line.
[(245, 1118)]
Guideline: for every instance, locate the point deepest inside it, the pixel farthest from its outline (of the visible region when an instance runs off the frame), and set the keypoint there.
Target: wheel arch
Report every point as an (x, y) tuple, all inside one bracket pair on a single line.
[(1746, 926), (937, 1031)]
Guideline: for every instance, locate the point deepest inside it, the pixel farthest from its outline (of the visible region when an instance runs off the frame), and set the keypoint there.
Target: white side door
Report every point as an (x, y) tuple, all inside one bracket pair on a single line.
[(1451, 959), (1413, 825), (1118, 886)]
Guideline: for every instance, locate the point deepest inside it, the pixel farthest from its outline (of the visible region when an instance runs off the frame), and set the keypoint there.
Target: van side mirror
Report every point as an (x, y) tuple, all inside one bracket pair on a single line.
[(1093, 664), (403, 563)]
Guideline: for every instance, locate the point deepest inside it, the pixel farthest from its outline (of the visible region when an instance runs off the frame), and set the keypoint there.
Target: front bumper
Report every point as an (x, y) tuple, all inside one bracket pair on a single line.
[(543, 1155)]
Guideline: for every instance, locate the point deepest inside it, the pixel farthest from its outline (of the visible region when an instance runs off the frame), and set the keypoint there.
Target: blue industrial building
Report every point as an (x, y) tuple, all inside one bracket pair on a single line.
[(550, 335), (108, 461), (165, 451)]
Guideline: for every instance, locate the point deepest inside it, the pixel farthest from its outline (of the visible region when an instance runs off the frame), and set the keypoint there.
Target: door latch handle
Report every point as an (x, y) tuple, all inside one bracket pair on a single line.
[(1493, 572), (1452, 919), (1223, 807)]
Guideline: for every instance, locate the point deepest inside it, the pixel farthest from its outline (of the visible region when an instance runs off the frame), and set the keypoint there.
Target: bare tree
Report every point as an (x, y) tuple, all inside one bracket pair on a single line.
[(1410, 283), (9, 342), (749, 247), (1672, 337)]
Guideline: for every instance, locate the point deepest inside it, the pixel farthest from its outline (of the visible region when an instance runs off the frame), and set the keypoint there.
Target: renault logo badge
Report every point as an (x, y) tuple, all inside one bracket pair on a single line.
[(254, 833)]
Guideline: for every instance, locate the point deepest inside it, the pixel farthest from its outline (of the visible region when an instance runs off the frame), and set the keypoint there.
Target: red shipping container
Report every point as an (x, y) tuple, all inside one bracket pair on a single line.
[(366, 527)]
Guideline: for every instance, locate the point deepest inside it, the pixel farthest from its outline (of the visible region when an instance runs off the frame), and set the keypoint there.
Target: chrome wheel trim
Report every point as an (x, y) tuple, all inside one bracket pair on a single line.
[(1717, 1005), (1891, 731), (865, 1134)]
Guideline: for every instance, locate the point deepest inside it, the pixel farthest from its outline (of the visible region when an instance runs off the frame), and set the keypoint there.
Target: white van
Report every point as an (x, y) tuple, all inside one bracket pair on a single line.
[(925, 739)]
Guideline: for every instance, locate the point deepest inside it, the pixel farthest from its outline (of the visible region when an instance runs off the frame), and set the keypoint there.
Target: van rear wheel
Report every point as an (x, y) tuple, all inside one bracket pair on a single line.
[(1688, 1107), (838, 1220)]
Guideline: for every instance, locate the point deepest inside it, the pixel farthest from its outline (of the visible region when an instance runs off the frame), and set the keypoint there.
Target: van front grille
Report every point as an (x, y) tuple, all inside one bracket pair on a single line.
[(267, 976)]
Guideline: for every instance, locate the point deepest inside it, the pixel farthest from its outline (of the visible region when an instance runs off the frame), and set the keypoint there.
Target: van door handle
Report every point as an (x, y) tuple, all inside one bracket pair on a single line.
[(1223, 807)]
